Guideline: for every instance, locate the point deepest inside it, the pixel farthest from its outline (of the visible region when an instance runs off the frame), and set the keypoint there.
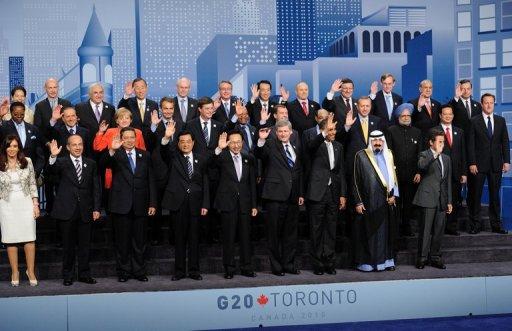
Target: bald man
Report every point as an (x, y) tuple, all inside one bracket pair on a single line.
[(44, 108), (302, 111)]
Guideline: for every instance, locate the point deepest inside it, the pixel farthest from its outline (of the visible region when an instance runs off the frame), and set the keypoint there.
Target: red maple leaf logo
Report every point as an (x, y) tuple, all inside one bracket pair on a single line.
[(262, 300)]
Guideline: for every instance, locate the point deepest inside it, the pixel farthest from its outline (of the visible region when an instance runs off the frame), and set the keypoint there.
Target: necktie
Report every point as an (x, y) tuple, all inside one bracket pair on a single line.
[(429, 108), (78, 169), (289, 157), (468, 109), (264, 106), (227, 109), (364, 126), (183, 110), (53, 103), (238, 167), (71, 131), (205, 132), (441, 165), (448, 137), (330, 154), (489, 127), (349, 108), (97, 113), (132, 164), (190, 170), (305, 108), (389, 105), (247, 139), (141, 111), (21, 133)]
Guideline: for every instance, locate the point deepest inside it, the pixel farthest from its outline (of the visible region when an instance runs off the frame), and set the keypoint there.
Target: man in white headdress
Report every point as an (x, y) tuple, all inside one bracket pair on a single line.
[(375, 191)]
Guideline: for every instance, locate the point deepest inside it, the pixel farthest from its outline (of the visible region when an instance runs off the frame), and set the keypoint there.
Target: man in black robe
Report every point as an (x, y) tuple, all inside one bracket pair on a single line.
[(375, 191)]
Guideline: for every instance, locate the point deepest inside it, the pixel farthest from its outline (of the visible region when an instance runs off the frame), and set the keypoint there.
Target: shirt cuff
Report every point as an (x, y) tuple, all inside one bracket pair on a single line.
[(51, 160), (330, 95), (218, 150), (372, 96), (261, 142), (165, 141), (52, 122)]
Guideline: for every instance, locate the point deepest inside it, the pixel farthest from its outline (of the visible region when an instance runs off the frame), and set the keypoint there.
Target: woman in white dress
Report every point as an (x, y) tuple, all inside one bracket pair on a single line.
[(19, 206)]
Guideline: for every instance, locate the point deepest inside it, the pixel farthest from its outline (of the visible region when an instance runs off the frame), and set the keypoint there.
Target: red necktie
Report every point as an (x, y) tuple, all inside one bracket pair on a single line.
[(348, 105), (448, 137), (429, 108), (305, 108)]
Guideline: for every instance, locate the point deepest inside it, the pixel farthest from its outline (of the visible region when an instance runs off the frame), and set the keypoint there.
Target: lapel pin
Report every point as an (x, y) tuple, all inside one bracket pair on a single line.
[(192, 106), (140, 155), (474, 105), (195, 161), (233, 104), (396, 103), (310, 106), (85, 165), (215, 125), (245, 160), (455, 133), (29, 131), (415, 142), (371, 123), (106, 106)]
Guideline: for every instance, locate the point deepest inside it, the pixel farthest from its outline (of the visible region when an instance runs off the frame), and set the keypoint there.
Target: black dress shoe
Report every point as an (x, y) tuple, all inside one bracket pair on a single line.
[(278, 273), (87, 280), (452, 232), (177, 277), (437, 264), (142, 278), (228, 275), (500, 231), (122, 279), (330, 271), (293, 271), (318, 272), (195, 276), (248, 273), (420, 265), (67, 282), (392, 268), (474, 231)]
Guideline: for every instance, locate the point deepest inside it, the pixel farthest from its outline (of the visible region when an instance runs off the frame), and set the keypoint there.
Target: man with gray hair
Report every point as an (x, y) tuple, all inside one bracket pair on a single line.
[(186, 107), (282, 195), (427, 109), (95, 110)]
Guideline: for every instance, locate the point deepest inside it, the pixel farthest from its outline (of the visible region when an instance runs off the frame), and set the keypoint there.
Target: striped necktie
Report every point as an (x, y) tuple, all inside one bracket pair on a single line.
[(78, 169), (289, 157)]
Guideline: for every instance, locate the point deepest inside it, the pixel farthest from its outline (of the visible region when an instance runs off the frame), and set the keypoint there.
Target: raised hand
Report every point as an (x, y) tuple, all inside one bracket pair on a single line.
[(263, 133), (421, 101), (4, 107), (374, 88), (56, 113), (223, 143), (239, 108), (458, 91), (128, 89), (216, 103), (350, 119), (170, 129), (116, 142), (154, 117), (54, 148), (255, 92), (336, 86), (285, 95), (103, 126), (264, 114)]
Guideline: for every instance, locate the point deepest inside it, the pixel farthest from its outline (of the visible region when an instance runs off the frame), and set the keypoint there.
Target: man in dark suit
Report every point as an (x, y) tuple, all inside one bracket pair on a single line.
[(260, 100), (488, 158), (311, 134), (464, 106), (63, 124), (44, 108), (186, 106), (29, 135), (340, 105), (326, 193), (434, 197), (186, 197), (132, 198), (225, 106), (426, 109), (283, 194), (77, 203), (385, 101), (280, 113), (241, 122), (139, 105), (236, 201), (95, 110), (455, 148), (302, 111)]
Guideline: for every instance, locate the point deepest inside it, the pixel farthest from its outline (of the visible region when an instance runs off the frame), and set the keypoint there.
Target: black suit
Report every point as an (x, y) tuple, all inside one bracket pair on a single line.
[(220, 114), (250, 138), (254, 110), (184, 197), (338, 106), (60, 133), (131, 195), (132, 104), (192, 111), (307, 136), (87, 117), (461, 118), (457, 153), (281, 190), (422, 120), (380, 108), (298, 118), (43, 113), (325, 187), (488, 154), (74, 204), (234, 201)]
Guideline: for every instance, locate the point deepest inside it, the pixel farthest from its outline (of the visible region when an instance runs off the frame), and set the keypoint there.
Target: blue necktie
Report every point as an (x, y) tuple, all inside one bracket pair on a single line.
[(190, 171), (205, 132), (389, 104), (132, 164), (289, 157), (489, 127), (246, 136)]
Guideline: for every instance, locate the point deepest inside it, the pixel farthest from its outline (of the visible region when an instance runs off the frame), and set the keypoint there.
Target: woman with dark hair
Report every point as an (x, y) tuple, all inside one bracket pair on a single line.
[(19, 94), (19, 206)]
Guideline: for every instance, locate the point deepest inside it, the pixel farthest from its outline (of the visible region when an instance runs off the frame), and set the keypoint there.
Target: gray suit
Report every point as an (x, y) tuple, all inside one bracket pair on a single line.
[(433, 196)]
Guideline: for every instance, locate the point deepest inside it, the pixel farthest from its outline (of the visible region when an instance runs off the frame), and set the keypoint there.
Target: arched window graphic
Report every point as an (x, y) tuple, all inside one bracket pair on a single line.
[(351, 43), (416, 33), (387, 41), (345, 45), (88, 73), (108, 74), (366, 41), (376, 41), (340, 47), (407, 37), (397, 42)]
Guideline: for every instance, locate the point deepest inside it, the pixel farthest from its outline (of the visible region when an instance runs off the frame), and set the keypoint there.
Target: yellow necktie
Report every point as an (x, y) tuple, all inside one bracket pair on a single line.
[(364, 126), (141, 111)]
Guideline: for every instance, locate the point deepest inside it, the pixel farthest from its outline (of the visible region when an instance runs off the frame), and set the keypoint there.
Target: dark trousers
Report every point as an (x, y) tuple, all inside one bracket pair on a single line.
[(452, 222), (130, 243), (75, 232), (430, 233), (186, 236), (282, 219), (407, 214), (155, 222), (322, 219), (477, 185), (232, 223)]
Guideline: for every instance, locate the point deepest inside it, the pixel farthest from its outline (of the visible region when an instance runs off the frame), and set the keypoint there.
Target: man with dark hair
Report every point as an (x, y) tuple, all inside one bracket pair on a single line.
[(139, 105), (186, 197), (340, 105), (464, 106), (488, 158), (385, 101), (260, 101), (64, 124), (434, 197)]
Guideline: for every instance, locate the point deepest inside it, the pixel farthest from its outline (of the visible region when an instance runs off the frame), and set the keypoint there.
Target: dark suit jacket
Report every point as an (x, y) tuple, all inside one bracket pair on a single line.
[(307, 136), (339, 108), (201, 146), (300, 121), (380, 109), (180, 187), (43, 113), (254, 110), (457, 152), (70, 192), (87, 118), (231, 193), (133, 105), (280, 182), (434, 187), (460, 114), (488, 154), (160, 167), (253, 136), (220, 114), (192, 111), (406, 143), (422, 120), (60, 133), (131, 190), (321, 170), (34, 144)]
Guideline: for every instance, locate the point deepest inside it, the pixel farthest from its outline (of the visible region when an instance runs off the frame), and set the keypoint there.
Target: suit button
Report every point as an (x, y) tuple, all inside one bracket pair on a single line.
[(188, 190)]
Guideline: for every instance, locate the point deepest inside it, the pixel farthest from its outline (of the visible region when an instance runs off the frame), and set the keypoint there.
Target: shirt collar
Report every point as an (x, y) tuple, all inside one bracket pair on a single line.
[(233, 154), (75, 158), (93, 105)]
